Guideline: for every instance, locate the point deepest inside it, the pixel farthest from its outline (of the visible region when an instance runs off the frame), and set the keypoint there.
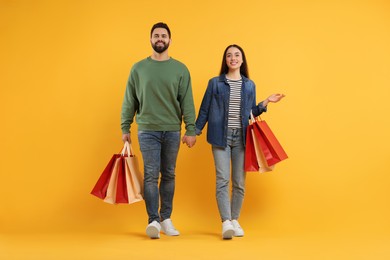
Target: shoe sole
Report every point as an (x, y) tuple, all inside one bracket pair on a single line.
[(239, 233), (152, 232), (170, 234), (228, 234)]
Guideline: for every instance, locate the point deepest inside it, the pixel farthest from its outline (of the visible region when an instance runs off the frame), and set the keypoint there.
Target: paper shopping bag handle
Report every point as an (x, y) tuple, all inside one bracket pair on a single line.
[(127, 149), (253, 119)]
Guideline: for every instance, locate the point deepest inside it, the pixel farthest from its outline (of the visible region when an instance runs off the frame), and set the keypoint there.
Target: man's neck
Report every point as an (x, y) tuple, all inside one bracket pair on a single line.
[(160, 56)]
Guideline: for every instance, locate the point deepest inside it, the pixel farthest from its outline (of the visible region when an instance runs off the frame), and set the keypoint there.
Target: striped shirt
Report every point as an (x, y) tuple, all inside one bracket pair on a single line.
[(234, 120)]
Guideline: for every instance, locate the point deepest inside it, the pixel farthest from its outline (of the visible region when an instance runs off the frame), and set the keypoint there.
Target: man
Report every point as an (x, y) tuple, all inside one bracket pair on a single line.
[(159, 94)]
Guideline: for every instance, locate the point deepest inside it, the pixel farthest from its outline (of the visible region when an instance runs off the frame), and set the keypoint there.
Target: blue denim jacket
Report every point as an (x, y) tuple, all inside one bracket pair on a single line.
[(215, 109)]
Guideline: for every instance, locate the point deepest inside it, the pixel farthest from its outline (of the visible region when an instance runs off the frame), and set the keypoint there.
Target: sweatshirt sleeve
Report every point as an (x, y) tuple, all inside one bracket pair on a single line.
[(186, 100), (130, 104)]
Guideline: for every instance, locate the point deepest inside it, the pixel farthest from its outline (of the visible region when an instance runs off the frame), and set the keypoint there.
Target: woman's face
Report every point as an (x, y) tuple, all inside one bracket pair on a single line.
[(233, 58)]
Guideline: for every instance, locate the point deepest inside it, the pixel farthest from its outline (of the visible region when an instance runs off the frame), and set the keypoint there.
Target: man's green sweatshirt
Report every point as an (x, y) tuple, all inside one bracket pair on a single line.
[(159, 95)]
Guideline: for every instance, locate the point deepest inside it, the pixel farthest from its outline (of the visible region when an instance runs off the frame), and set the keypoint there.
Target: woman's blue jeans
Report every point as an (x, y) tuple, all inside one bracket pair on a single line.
[(233, 155), (159, 153)]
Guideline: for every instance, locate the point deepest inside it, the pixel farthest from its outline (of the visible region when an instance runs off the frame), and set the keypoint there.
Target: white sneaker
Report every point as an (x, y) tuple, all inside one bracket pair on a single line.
[(227, 229), (168, 228), (153, 229), (238, 231)]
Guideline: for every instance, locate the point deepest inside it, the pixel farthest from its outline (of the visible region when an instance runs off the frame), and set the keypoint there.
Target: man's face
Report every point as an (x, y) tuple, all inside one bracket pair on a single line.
[(160, 40)]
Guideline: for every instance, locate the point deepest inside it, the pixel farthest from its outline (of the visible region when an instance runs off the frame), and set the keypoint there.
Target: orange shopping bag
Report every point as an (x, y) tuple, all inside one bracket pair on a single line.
[(133, 177)]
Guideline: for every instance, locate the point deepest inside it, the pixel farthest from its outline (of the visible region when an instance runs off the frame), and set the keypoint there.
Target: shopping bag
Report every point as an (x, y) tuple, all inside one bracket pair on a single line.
[(271, 147), (112, 186), (259, 142), (121, 181), (263, 146), (254, 156), (100, 188), (133, 177), (121, 185), (250, 163)]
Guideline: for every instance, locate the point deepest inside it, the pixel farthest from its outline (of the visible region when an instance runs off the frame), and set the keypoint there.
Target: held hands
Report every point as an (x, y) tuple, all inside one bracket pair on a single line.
[(189, 140)]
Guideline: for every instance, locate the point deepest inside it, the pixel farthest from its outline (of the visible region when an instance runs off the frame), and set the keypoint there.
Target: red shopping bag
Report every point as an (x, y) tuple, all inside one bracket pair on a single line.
[(250, 163), (100, 189), (271, 147), (121, 187)]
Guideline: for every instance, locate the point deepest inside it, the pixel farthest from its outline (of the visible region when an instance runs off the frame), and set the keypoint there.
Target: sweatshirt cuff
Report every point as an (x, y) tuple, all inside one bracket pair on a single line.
[(125, 131), (190, 133)]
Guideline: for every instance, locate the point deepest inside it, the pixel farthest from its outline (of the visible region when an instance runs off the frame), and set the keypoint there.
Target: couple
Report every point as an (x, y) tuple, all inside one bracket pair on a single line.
[(159, 95)]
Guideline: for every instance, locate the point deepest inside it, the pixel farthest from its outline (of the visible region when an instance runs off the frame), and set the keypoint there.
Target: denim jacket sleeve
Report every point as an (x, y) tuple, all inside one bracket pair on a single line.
[(204, 109), (259, 109)]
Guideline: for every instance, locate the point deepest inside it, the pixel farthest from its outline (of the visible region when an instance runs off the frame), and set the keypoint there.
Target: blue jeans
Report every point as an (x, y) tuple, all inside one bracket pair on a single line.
[(232, 155), (159, 153)]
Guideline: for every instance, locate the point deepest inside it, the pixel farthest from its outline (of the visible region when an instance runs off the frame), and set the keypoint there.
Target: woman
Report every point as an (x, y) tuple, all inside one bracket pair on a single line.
[(226, 106)]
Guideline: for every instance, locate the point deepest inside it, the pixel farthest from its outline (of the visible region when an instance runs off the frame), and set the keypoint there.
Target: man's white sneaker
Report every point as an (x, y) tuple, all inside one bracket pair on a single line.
[(227, 229), (153, 229), (168, 228), (238, 231)]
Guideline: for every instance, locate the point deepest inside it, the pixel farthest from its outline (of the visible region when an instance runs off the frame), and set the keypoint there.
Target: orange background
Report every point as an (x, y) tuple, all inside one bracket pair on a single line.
[(64, 66)]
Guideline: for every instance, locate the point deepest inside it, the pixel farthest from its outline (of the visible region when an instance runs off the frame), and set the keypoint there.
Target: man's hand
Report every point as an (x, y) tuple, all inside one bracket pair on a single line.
[(126, 138)]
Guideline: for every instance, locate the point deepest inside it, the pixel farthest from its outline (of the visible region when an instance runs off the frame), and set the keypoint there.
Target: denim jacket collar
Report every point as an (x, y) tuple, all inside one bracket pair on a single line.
[(222, 78)]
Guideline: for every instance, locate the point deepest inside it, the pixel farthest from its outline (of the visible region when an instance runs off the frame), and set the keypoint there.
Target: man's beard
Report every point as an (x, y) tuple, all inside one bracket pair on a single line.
[(160, 49)]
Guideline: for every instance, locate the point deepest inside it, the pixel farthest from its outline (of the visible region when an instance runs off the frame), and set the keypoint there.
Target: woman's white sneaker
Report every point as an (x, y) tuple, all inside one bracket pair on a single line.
[(238, 231)]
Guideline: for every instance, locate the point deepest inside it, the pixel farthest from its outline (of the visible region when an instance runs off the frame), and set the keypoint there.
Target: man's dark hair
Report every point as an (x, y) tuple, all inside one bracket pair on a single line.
[(161, 25)]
